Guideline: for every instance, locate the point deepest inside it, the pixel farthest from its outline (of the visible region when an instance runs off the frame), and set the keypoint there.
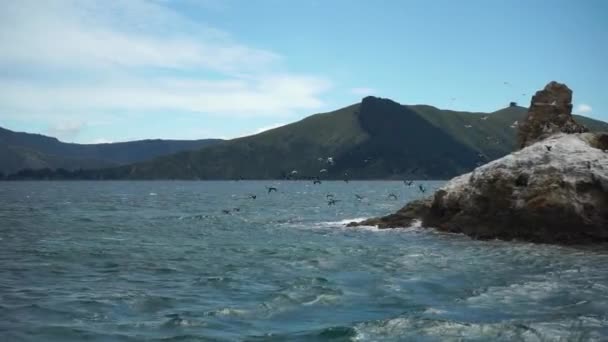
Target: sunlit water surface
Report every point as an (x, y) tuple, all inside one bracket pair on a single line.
[(146, 261)]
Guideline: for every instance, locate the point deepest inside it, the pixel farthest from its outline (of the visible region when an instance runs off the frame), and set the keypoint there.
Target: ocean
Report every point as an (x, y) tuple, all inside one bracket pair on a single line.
[(203, 261)]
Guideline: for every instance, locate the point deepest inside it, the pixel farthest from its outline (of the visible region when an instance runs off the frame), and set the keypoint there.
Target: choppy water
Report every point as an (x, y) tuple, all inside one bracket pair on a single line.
[(146, 261)]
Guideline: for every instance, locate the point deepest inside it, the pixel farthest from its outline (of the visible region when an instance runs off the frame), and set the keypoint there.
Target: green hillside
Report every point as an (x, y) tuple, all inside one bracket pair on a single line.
[(375, 139)]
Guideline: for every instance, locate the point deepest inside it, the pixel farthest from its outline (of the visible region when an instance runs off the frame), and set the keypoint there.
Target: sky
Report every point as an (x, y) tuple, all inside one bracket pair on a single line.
[(106, 71)]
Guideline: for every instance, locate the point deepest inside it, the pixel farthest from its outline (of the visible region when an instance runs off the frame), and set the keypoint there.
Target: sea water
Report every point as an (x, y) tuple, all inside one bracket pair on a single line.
[(203, 261)]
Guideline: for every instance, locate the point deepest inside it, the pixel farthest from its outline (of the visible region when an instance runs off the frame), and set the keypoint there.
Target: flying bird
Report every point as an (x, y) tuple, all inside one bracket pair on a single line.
[(421, 188), (467, 126), (316, 181), (359, 197), (226, 211), (328, 196), (515, 124), (408, 182), (271, 189), (332, 201), (252, 196), (485, 117), (392, 196), (322, 170), (548, 147)]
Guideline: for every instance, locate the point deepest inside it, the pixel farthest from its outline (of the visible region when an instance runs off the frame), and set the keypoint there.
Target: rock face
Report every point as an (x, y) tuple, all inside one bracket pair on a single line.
[(550, 112), (553, 191)]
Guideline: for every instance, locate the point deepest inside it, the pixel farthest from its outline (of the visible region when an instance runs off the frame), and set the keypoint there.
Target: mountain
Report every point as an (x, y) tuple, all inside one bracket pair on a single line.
[(34, 151), (377, 138)]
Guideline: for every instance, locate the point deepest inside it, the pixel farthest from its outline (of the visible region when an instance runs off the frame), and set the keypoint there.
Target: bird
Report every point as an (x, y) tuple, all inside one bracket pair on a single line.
[(467, 126), (422, 188), (328, 196), (332, 201), (408, 182), (322, 170), (236, 209), (226, 211), (346, 177), (330, 160), (548, 147), (359, 197), (316, 181), (271, 189), (482, 156), (485, 117), (392, 196), (252, 196), (515, 124), (588, 164)]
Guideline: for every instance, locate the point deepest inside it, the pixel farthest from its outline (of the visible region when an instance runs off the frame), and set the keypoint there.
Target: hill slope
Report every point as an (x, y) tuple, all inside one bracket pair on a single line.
[(377, 138), (24, 150)]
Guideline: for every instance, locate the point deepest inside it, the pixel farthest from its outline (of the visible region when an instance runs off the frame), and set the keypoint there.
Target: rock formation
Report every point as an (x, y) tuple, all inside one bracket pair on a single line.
[(550, 112), (553, 190)]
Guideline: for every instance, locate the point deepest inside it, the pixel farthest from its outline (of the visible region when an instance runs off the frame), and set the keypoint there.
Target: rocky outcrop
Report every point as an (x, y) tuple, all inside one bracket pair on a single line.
[(554, 191), (550, 112)]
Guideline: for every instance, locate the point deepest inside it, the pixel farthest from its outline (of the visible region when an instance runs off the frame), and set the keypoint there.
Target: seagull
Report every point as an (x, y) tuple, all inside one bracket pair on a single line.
[(322, 170), (515, 124), (422, 188), (330, 160), (392, 196), (271, 189), (467, 126), (408, 182), (320, 159), (226, 211), (316, 181), (328, 196), (346, 177), (236, 209), (485, 117), (548, 147), (294, 172), (253, 196), (359, 197), (332, 201), (554, 103)]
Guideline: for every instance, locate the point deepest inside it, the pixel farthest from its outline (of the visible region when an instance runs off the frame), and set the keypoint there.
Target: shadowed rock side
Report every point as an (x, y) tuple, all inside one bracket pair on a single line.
[(550, 113), (556, 196)]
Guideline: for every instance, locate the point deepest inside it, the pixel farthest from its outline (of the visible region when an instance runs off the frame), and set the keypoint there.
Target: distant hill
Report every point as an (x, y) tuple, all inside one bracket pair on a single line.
[(375, 139), (34, 151)]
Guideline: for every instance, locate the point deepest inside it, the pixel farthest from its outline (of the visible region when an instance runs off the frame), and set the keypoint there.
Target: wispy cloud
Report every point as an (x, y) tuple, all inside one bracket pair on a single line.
[(583, 109), (267, 128), (363, 91), (64, 57)]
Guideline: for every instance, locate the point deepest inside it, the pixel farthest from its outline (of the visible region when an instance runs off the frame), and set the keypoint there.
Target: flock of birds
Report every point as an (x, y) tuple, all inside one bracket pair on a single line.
[(330, 198)]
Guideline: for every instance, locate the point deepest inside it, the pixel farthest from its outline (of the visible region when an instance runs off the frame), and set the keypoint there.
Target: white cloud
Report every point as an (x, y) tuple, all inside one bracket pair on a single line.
[(132, 55), (267, 128), (583, 109), (66, 130), (363, 91)]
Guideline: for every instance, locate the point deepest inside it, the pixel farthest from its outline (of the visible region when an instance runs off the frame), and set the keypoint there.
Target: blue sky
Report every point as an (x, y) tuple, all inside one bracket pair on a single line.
[(104, 71)]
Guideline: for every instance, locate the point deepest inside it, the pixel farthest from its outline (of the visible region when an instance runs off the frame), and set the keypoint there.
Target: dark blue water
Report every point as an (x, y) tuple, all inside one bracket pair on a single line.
[(160, 261)]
